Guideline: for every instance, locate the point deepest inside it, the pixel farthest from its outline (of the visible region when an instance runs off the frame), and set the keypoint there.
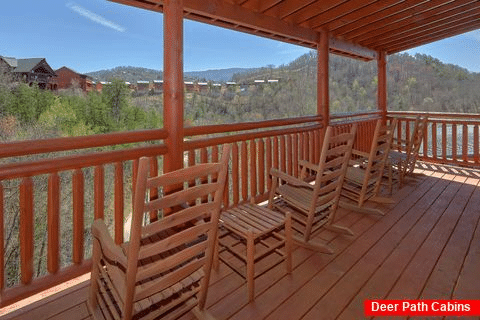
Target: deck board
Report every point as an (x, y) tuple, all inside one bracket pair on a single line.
[(426, 246)]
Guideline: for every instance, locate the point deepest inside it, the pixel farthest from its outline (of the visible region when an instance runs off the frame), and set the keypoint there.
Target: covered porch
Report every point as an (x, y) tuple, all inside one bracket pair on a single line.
[(424, 247)]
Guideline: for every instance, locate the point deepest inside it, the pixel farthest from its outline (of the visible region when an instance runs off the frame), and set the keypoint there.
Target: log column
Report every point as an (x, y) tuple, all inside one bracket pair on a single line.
[(173, 83), (382, 84), (323, 99)]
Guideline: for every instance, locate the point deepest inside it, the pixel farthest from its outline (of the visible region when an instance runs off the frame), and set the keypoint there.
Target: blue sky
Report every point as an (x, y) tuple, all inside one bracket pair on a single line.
[(89, 35)]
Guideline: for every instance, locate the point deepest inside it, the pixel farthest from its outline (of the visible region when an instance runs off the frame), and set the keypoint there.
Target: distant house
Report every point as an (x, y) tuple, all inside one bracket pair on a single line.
[(201, 87), (67, 78), (7, 65), (33, 70), (130, 85), (99, 85), (189, 86), (143, 86), (158, 86)]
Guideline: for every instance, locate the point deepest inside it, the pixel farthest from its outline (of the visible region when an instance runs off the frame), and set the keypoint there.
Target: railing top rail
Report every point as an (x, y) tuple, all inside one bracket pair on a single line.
[(201, 143), (29, 147), (44, 166), (354, 114), (435, 115), (224, 128)]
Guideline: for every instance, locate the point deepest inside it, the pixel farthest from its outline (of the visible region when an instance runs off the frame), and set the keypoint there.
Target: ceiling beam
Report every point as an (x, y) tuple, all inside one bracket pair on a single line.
[(413, 30), (348, 21), (446, 33), (399, 12), (338, 12), (312, 10), (421, 19), (352, 49), (227, 15)]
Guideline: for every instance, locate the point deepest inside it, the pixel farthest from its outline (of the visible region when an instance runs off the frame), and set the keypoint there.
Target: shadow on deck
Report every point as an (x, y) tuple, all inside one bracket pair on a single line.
[(427, 246)]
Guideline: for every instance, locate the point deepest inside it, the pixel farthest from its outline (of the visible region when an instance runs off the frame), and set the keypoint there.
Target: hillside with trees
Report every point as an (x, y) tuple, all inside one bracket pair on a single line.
[(27, 112), (417, 82)]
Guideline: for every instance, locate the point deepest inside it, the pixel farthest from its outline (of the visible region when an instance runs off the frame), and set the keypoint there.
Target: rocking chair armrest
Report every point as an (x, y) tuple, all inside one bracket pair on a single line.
[(360, 153), (289, 179), (108, 246), (308, 165)]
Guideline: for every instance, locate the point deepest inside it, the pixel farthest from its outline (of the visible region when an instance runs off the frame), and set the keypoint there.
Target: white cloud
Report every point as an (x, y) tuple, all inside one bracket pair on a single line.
[(95, 17)]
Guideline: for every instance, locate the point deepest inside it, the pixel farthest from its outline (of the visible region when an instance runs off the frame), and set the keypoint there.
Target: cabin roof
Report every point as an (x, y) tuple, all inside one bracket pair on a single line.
[(357, 28)]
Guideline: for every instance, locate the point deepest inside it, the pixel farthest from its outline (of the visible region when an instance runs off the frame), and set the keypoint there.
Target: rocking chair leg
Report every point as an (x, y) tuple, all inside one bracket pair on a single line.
[(358, 209), (312, 245), (339, 229), (382, 200), (202, 314)]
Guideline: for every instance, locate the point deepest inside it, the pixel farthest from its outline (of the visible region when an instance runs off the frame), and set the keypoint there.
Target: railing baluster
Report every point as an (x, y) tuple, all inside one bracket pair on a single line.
[(425, 141), (454, 142), (407, 131), (268, 160), (235, 174), (283, 165), (99, 192), (465, 143), (78, 206), (275, 152), (289, 154), (215, 153), (434, 140), (305, 146), (261, 167), (53, 217), (311, 147), (119, 206), (2, 241), (444, 140), (203, 155), (191, 158), (26, 230), (475, 144), (204, 159), (244, 164), (253, 168), (399, 134), (153, 215), (296, 154), (317, 144), (134, 178)]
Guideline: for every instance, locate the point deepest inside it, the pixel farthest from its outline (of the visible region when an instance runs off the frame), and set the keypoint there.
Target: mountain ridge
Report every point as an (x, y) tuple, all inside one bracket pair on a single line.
[(133, 74)]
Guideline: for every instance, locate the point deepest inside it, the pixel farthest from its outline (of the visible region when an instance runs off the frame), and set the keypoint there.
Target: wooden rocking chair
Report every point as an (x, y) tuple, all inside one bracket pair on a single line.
[(402, 164), (364, 176), (164, 270), (313, 205)]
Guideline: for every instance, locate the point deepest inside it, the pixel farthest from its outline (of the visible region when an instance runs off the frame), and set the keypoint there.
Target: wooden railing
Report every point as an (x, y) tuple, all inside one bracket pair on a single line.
[(365, 121), (63, 184), (50, 192), (255, 151), (450, 138)]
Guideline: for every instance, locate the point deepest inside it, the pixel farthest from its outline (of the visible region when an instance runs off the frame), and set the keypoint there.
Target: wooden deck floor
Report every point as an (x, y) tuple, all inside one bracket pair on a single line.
[(427, 246)]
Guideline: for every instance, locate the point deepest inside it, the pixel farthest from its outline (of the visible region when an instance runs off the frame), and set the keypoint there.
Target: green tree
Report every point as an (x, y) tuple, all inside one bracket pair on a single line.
[(115, 96)]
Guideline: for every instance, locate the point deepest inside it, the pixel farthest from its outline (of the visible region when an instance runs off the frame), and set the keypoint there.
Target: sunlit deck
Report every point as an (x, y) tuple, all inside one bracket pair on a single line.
[(426, 246)]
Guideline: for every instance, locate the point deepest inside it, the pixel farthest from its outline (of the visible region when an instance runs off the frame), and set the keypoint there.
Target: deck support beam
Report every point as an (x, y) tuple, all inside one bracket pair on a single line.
[(323, 98), (173, 83), (382, 84)]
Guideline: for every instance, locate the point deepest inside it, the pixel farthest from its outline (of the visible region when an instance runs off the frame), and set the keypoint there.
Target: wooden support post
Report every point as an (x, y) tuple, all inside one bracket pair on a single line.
[(323, 98), (173, 83), (382, 84)]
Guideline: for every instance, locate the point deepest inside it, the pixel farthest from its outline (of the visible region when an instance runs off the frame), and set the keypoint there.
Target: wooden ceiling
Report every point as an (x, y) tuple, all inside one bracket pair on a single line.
[(358, 28)]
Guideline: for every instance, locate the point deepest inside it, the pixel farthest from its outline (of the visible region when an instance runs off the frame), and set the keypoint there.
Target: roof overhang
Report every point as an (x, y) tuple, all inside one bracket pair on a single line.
[(357, 28)]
